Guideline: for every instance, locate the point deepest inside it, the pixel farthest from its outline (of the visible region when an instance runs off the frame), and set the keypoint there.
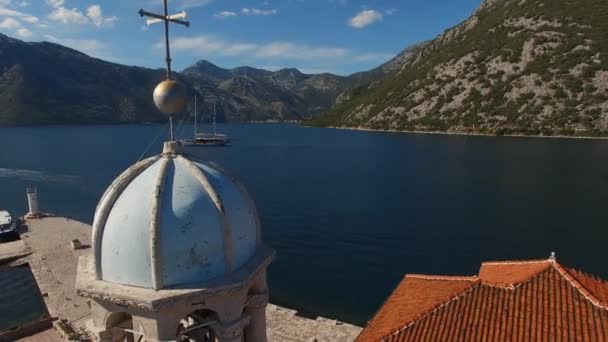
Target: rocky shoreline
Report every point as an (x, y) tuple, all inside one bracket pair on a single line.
[(365, 129)]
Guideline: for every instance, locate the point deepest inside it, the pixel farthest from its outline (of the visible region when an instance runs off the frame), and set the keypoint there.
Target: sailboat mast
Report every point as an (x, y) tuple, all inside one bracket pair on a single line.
[(195, 120), (214, 118)]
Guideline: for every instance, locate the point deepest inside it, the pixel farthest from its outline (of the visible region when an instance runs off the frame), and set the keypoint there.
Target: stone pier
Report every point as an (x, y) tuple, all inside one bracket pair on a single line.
[(51, 246)]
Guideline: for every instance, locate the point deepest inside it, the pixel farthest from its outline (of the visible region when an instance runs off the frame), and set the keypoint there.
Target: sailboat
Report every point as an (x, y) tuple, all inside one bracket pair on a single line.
[(206, 139)]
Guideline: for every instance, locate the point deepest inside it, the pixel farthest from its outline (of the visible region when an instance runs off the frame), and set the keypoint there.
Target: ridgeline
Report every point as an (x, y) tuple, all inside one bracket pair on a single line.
[(529, 67)]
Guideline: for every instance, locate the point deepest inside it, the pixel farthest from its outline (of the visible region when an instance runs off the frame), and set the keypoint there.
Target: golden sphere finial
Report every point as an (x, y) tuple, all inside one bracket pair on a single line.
[(170, 97)]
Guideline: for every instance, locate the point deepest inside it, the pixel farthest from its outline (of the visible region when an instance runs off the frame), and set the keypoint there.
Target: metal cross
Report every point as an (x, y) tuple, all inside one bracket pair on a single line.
[(166, 18)]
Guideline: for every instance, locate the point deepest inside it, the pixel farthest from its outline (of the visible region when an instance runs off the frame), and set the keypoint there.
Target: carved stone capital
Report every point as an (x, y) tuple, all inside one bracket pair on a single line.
[(106, 297)]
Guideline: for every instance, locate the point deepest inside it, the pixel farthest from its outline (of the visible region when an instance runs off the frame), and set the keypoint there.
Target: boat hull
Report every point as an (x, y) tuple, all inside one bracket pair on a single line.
[(205, 143), (8, 225)]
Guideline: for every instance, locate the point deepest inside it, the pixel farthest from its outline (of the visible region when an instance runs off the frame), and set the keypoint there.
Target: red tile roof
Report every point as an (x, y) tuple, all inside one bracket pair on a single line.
[(528, 300), (508, 273)]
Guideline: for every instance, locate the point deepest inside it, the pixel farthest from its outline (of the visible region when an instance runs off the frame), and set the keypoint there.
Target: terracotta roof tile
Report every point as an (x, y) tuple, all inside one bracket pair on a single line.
[(529, 301), (510, 273), (415, 296), (598, 288)]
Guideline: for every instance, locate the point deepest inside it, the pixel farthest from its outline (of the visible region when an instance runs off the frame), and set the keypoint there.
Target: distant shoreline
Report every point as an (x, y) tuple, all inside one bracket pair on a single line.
[(151, 123), (363, 129), (297, 122)]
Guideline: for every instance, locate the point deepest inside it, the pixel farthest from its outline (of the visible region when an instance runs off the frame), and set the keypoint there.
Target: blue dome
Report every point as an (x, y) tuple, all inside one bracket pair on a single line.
[(170, 221)]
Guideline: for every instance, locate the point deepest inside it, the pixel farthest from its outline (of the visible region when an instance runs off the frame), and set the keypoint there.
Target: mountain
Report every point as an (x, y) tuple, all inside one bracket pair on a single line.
[(535, 67), (389, 68), (255, 94), (371, 78), (46, 83)]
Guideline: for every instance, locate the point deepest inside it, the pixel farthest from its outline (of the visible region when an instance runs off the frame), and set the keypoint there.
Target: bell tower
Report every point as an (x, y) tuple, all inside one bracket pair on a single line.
[(177, 253)]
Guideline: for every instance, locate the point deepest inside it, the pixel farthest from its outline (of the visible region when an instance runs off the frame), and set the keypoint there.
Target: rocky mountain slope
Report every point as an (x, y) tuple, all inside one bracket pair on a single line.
[(46, 83), (389, 68), (514, 67), (255, 94)]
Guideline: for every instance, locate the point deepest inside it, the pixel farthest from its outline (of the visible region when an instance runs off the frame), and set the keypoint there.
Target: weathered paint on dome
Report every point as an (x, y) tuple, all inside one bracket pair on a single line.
[(194, 246), (242, 215), (126, 229), (170, 221)]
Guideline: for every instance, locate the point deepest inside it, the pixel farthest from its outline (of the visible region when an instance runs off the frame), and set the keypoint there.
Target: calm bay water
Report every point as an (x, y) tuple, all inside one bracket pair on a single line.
[(351, 212)]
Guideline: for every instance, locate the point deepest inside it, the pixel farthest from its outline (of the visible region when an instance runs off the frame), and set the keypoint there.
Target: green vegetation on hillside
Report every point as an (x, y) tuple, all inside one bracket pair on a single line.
[(516, 67)]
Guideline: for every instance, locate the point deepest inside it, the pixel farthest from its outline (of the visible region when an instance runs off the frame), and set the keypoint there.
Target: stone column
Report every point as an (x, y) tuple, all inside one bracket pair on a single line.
[(233, 331), (256, 309)]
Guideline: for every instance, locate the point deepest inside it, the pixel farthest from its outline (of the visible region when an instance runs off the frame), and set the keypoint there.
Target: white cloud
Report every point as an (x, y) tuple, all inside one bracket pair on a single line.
[(23, 4), (275, 55), (5, 12), (24, 33), (239, 49), (30, 19), (365, 18), (5, 2), (67, 16), (9, 24), (257, 11), (374, 57), (184, 4), (55, 3), (208, 45), (91, 47), (95, 13), (12, 22), (225, 14), (287, 50)]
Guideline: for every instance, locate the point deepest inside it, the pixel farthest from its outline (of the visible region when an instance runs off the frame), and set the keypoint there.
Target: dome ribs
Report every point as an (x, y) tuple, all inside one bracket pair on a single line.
[(226, 228), (200, 176), (243, 190), (155, 250), (107, 202), (172, 221)]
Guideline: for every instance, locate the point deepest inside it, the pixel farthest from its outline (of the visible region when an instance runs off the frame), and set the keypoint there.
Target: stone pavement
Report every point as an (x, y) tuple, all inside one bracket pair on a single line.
[(13, 250), (54, 262), (285, 326), (49, 335)]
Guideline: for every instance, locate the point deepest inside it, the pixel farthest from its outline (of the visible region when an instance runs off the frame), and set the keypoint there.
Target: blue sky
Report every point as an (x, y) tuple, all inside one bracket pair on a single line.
[(338, 36)]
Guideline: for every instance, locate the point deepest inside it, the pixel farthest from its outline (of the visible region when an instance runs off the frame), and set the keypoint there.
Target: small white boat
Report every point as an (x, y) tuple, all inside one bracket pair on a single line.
[(206, 139), (7, 224)]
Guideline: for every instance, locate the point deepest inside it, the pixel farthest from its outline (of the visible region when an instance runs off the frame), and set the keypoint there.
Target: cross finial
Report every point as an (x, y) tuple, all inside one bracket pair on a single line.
[(178, 18)]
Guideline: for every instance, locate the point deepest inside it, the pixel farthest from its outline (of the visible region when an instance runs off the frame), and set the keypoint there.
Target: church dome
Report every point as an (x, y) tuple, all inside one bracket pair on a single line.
[(170, 221)]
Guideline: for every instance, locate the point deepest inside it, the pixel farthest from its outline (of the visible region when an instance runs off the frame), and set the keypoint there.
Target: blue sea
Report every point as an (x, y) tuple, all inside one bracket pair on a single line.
[(351, 212)]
